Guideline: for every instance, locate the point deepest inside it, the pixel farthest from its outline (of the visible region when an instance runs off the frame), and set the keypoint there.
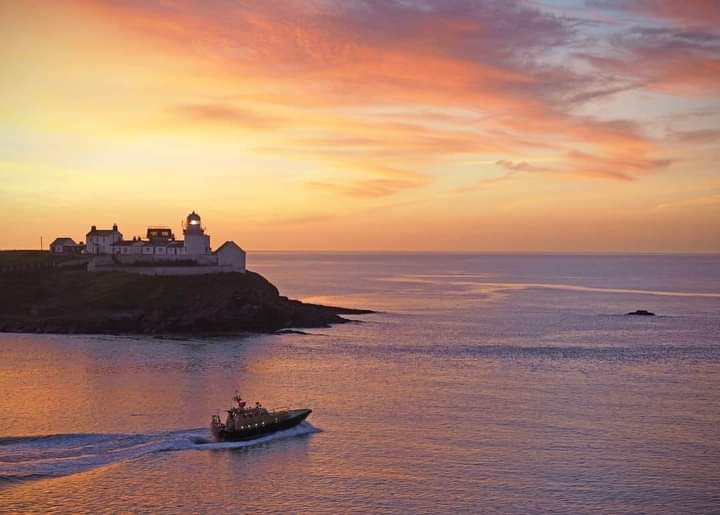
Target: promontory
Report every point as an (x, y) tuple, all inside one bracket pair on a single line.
[(75, 301)]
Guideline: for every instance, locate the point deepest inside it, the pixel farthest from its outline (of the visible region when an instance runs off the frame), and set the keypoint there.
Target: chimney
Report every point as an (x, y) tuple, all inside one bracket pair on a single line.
[(93, 228), (114, 227)]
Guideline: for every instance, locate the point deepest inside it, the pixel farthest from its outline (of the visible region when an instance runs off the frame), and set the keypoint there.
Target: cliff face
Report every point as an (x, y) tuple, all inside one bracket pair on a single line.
[(119, 303)]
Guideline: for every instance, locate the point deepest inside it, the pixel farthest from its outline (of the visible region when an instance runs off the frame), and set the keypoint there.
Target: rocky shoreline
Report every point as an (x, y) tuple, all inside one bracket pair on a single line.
[(76, 302)]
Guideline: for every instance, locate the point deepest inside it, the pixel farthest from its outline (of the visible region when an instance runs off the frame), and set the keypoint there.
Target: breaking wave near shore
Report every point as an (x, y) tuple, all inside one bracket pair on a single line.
[(46, 456)]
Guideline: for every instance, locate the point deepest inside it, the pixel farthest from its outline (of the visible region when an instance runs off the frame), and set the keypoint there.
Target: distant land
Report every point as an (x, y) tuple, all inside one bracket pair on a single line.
[(45, 294)]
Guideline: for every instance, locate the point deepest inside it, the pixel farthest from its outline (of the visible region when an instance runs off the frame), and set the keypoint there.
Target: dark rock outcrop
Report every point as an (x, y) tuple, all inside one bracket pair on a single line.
[(74, 302), (640, 312)]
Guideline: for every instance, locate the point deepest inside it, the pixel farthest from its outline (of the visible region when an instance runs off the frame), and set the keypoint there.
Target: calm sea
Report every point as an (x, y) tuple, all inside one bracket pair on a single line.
[(488, 383)]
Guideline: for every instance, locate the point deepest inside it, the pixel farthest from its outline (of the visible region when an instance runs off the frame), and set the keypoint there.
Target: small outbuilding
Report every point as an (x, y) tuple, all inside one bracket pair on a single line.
[(231, 257), (64, 245)]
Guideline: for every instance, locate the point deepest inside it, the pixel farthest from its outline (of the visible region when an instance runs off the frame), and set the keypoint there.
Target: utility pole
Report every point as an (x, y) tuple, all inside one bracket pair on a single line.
[(41, 243)]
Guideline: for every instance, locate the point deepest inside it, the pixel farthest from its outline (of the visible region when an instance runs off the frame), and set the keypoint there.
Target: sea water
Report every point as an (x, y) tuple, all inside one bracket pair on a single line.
[(485, 383)]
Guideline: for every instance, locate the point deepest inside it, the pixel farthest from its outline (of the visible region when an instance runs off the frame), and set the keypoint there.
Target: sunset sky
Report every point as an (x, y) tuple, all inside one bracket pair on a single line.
[(549, 125)]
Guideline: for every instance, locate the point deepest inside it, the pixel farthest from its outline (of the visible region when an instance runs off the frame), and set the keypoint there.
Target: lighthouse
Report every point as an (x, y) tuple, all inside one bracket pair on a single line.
[(196, 241)]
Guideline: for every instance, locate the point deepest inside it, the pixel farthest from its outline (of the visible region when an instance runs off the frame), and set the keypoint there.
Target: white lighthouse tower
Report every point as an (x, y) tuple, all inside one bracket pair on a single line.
[(196, 241)]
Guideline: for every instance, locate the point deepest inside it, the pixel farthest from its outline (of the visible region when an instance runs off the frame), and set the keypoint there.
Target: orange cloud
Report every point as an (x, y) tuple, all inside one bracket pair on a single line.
[(386, 180), (312, 61), (698, 136), (619, 166), (520, 166), (227, 115)]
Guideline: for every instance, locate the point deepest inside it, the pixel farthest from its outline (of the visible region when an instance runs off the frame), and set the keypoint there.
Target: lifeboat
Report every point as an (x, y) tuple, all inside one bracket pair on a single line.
[(246, 423)]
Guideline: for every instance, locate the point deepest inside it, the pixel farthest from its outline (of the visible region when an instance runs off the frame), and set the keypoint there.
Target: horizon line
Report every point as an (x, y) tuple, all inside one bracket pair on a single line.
[(458, 251)]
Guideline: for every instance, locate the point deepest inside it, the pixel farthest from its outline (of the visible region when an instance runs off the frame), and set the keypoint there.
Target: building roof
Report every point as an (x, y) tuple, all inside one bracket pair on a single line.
[(103, 231), (152, 243), (228, 245), (163, 243), (157, 233), (65, 241)]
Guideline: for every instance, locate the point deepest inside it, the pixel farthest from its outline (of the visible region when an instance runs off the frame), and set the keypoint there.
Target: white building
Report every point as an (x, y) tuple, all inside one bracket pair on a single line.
[(161, 242), (230, 255), (162, 254), (101, 241)]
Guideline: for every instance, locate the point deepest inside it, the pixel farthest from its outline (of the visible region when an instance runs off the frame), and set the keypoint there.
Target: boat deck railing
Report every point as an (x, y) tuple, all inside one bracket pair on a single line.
[(269, 410)]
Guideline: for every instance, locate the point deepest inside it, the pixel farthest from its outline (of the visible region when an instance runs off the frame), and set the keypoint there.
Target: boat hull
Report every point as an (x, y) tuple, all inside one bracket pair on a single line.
[(295, 417)]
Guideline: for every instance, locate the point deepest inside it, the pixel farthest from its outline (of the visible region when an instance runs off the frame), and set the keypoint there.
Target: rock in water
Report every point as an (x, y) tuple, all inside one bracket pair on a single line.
[(641, 312)]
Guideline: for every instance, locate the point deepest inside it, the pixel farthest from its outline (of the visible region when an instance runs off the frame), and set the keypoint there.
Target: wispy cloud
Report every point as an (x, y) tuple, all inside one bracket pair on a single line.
[(712, 200), (699, 136), (225, 114), (676, 60), (520, 166), (692, 13), (386, 181), (619, 167)]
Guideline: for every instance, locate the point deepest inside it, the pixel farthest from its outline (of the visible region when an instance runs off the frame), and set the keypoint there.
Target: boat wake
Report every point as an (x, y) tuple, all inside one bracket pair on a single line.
[(36, 457)]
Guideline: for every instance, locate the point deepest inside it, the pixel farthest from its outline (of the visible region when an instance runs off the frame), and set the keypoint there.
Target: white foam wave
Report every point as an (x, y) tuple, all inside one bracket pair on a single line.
[(59, 455)]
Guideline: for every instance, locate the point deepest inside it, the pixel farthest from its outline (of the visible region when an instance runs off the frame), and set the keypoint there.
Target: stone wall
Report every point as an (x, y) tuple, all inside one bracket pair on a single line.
[(166, 270), (137, 264), (154, 260)]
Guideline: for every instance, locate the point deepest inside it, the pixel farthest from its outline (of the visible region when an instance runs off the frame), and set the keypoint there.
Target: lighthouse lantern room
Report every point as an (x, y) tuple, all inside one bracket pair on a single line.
[(196, 241)]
